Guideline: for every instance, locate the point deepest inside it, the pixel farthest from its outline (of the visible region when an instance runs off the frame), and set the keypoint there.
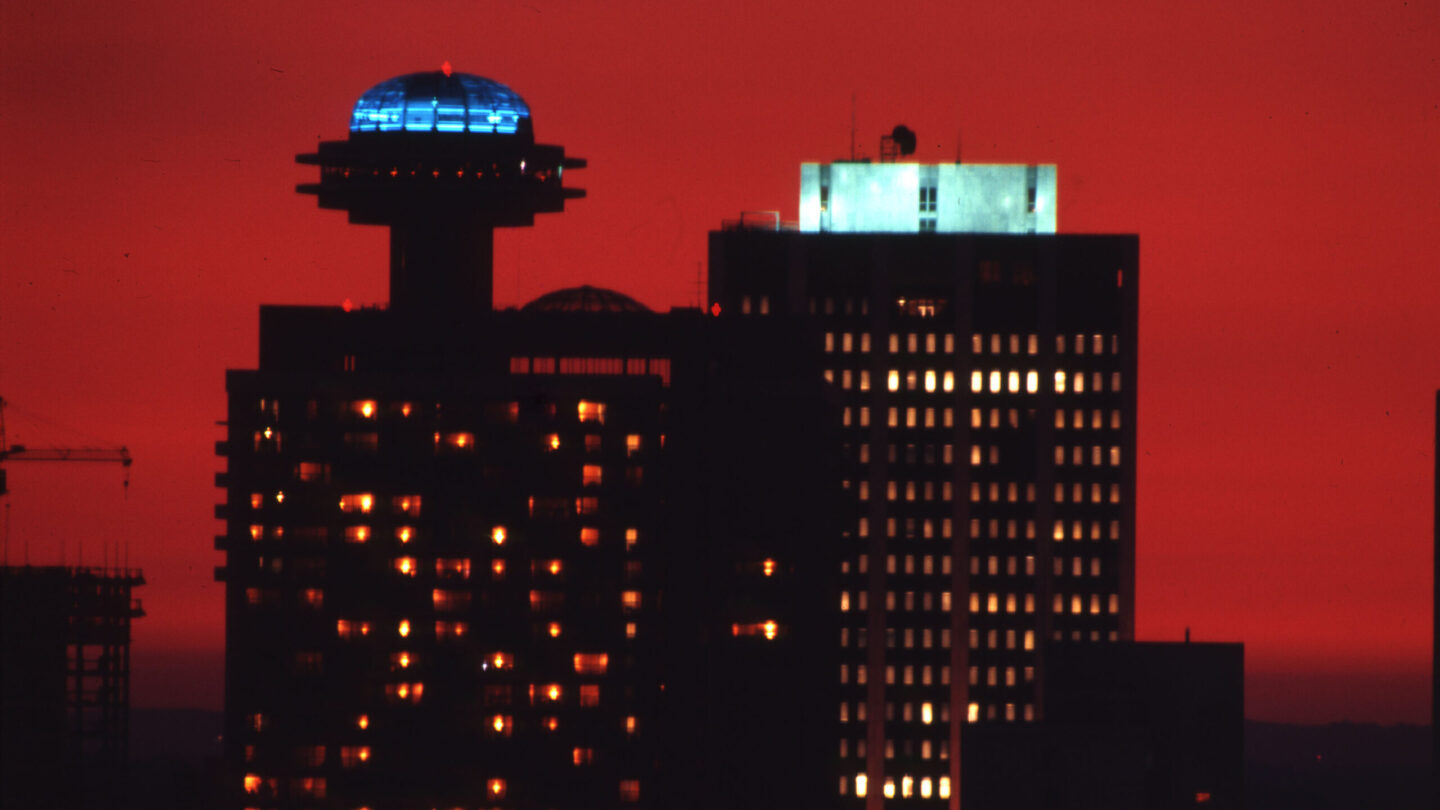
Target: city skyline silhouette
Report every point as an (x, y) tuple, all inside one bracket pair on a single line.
[(1287, 354)]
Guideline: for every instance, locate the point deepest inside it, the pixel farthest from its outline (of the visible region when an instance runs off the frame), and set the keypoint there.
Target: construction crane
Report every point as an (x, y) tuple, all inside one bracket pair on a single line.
[(19, 452)]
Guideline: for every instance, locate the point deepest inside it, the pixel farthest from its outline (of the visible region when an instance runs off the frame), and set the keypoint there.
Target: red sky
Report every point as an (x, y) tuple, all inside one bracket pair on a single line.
[(1280, 164)]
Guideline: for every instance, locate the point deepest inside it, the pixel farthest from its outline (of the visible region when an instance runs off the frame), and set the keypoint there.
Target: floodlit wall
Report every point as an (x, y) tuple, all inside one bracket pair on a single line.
[(914, 197)]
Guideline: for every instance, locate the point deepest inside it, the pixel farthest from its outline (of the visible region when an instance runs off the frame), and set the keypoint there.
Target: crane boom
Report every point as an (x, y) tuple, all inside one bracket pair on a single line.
[(19, 452)]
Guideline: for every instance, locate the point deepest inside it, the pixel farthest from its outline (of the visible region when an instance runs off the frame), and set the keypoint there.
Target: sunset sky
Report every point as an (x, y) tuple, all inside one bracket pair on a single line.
[(1279, 160)]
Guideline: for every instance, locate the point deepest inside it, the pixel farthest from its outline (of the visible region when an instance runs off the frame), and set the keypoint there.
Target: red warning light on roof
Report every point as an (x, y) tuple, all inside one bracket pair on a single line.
[(715, 309), (446, 68)]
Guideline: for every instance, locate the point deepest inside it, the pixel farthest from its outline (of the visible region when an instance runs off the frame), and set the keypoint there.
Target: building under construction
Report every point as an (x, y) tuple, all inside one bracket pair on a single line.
[(65, 683)]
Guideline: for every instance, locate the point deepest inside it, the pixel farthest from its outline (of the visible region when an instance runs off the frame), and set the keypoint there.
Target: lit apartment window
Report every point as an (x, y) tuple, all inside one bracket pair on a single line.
[(360, 502), (357, 534), (406, 504), (404, 692), (354, 755), (590, 475), (405, 565), (591, 411), (591, 663), (630, 790)]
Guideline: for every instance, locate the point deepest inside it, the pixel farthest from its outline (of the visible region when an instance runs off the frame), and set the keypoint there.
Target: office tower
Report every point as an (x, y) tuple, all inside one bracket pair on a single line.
[(65, 682), (560, 556), (988, 388)]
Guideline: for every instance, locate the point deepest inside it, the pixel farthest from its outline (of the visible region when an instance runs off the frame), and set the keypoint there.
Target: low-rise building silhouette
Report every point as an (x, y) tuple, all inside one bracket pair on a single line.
[(65, 683)]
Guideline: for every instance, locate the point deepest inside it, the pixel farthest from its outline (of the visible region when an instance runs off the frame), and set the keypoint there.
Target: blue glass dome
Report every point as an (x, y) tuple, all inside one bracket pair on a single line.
[(436, 102)]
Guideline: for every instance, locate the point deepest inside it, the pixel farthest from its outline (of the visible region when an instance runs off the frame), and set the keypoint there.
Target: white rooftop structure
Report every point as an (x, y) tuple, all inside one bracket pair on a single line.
[(854, 197)]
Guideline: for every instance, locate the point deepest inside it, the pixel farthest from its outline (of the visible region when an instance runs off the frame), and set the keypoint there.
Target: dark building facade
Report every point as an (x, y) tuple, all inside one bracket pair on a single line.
[(1144, 725), (987, 383), (572, 555), (65, 683)]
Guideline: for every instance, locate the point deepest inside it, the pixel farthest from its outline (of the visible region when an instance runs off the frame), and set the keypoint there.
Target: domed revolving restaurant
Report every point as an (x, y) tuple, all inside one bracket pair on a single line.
[(442, 158)]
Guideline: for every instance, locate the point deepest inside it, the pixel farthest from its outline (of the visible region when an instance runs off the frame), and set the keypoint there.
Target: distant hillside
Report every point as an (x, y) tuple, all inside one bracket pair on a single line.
[(1344, 765)]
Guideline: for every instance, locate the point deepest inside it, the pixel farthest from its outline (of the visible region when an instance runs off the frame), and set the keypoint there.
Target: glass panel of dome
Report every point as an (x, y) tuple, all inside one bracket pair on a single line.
[(450, 117), (419, 114)]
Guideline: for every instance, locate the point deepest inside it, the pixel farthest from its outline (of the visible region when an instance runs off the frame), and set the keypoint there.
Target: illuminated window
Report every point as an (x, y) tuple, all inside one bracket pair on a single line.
[(496, 788), (353, 755), (630, 601), (444, 630), (347, 629), (460, 441), (590, 475), (589, 695), (404, 692), (944, 790), (768, 629), (360, 502), (630, 724), (405, 565), (452, 568), (406, 504), (553, 629), (630, 790), (591, 664), (449, 601), (357, 534), (861, 785), (583, 756), (502, 725), (591, 411), (312, 597)]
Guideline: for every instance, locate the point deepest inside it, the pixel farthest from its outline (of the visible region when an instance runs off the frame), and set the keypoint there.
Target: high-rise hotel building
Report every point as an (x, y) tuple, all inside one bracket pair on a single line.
[(986, 366), (564, 556)]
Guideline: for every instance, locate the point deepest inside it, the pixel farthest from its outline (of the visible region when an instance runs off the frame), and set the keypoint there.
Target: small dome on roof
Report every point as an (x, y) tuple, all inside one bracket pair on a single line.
[(585, 299), (441, 101)]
